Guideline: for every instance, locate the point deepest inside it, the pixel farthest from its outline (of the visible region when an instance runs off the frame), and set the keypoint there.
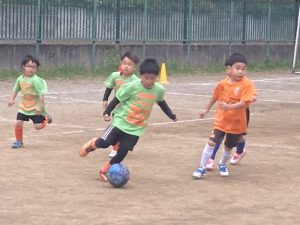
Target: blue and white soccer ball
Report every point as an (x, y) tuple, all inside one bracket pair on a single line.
[(118, 175)]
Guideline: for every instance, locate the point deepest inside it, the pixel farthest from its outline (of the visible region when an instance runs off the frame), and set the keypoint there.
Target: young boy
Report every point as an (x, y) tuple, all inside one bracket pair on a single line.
[(32, 104), (136, 100), (233, 95), (115, 80), (240, 147)]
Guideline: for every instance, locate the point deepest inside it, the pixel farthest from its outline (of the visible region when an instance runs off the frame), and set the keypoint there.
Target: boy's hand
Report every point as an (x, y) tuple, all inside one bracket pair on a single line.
[(223, 105), (106, 117), (104, 104), (11, 103), (203, 114)]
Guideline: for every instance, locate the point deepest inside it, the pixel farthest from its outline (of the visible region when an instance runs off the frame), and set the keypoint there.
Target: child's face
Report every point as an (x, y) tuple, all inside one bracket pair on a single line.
[(237, 71), (29, 69), (128, 66), (148, 79)]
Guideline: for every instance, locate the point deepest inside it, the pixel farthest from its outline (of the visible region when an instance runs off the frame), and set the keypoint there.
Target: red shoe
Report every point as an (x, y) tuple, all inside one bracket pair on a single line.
[(103, 172), (236, 158), (88, 147)]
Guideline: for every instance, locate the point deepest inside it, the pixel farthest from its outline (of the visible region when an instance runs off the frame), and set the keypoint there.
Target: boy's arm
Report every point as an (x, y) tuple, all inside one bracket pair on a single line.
[(210, 104), (166, 109), (113, 103), (12, 99), (106, 96), (225, 106)]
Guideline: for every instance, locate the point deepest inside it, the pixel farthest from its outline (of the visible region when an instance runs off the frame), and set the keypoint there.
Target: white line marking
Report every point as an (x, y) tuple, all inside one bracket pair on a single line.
[(72, 92), (271, 90)]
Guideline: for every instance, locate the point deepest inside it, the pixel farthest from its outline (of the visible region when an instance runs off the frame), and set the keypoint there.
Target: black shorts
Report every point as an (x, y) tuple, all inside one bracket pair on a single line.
[(231, 140), (112, 135), (34, 118)]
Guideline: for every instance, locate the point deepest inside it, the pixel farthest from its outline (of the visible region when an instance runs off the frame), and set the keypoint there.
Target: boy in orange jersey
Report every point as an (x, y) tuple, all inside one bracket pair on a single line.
[(136, 100), (32, 105), (115, 80), (233, 95)]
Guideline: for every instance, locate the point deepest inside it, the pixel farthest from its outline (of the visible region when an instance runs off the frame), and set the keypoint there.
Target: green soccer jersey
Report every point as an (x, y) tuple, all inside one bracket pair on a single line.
[(116, 80), (136, 103), (30, 88)]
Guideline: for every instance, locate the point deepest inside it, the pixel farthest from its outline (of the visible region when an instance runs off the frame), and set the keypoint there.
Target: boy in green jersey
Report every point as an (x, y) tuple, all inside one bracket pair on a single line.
[(116, 79), (136, 100), (31, 104)]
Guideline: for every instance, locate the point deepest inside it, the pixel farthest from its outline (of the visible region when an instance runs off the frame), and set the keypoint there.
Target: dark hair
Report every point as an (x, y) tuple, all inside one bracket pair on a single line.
[(149, 66), (28, 58), (131, 56), (234, 58)]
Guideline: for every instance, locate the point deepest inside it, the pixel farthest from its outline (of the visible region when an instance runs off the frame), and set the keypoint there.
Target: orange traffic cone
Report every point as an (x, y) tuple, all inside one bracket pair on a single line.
[(163, 74)]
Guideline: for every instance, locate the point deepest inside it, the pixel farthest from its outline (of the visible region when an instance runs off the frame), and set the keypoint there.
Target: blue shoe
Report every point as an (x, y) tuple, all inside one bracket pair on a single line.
[(17, 144), (199, 172), (223, 170)]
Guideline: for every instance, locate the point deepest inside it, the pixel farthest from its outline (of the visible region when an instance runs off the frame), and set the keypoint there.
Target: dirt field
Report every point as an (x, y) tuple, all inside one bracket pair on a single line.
[(46, 182)]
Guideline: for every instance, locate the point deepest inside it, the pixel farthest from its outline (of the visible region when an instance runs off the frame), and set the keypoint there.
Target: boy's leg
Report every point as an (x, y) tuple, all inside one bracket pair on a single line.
[(240, 148), (239, 153), (113, 152), (18, 134), (216, 137), (127, 143), (109, 137), (230, 142), (210, 162), (19, 130)]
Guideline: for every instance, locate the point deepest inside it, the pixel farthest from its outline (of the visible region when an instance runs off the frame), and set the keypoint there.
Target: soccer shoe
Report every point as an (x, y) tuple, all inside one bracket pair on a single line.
[(199, 172), (17, 144), (223, 170), (88, 147), (112, 153), (103, 172), (210, 164), (48, 119), (237, 157)]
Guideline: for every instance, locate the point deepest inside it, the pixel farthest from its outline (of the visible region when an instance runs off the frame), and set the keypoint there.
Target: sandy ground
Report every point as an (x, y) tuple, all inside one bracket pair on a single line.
[(46, 182)]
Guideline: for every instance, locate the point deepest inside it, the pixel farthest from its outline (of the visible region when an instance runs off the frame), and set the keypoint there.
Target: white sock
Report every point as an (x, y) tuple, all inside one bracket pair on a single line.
[(225, 157), (206, 154)]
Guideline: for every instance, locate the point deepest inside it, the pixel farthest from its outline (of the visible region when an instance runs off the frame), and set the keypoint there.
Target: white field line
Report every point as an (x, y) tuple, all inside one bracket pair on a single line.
[(273, 90)]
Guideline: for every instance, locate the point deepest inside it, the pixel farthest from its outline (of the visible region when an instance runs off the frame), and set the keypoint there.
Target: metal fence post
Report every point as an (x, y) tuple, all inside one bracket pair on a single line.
[(145, 28), (269, 27), (94, 33), (38, 28), (118, 21), (231, 25), (189, 31)]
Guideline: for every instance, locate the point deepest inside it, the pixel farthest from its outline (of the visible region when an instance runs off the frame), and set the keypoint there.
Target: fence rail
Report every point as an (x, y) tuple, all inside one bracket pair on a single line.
[(149, 20)]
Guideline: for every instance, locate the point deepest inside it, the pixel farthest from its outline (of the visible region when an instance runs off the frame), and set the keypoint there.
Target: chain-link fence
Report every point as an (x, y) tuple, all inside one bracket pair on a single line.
[(149, 20)]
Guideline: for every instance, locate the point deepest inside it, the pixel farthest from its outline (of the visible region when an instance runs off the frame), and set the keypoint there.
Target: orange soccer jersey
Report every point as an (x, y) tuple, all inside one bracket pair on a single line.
[(233, 121)]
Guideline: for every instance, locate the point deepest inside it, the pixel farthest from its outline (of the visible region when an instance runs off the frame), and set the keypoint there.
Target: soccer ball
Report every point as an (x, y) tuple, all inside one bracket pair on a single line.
[(118, 175)]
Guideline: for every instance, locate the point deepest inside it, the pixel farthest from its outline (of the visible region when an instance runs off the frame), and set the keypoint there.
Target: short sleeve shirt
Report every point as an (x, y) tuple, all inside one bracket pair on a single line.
[(136, 103), (233, 121), (116, 80), (31, 88)]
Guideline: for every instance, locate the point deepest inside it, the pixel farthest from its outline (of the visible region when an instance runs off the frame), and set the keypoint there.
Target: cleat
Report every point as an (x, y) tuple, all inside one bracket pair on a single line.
[(88, 147), (223, 170), (112, 153), (103, 172), (210, 165), (18, 144), (237, 157), (199, 172)]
